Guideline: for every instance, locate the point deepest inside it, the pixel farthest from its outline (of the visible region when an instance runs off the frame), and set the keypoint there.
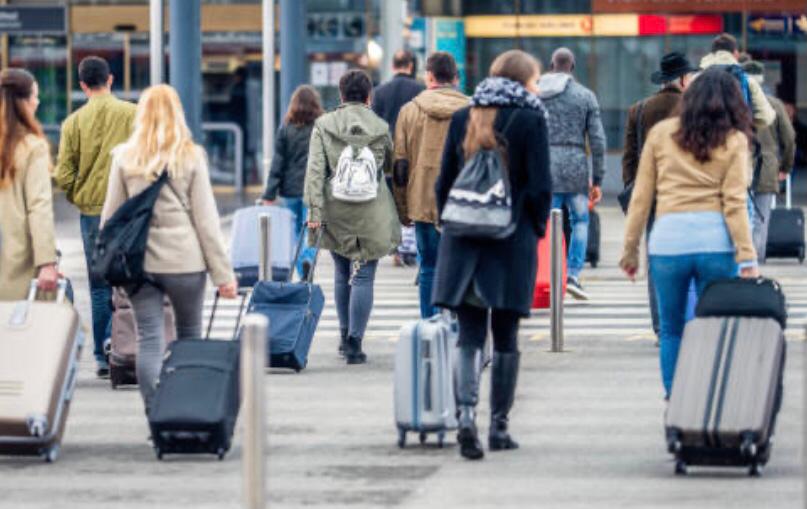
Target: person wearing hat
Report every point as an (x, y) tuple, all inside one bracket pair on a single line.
[(772, 161), (674, 76)]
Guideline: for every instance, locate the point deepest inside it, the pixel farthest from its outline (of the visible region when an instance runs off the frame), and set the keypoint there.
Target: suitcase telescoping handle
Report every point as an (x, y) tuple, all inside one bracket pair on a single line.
[(61, 290), (299, 250), (244, 293), (788, 192)]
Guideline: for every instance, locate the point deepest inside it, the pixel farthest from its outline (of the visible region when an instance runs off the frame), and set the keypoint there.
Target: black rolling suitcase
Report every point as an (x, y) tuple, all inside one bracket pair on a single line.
[(594, 231), (195, 407), (786, 230)]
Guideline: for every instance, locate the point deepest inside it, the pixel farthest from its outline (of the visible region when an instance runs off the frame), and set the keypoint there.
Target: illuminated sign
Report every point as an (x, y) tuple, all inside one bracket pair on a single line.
[(599, 25), (687, 6)]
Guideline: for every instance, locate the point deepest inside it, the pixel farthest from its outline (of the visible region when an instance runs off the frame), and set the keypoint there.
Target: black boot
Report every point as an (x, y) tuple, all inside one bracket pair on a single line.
[(467, 398), (353, 353), (342, 342), (503, 377)]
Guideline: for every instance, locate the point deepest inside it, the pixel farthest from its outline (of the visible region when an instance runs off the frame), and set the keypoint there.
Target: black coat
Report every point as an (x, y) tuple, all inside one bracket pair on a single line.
[(503, 271), (390, 97), (287, 175)]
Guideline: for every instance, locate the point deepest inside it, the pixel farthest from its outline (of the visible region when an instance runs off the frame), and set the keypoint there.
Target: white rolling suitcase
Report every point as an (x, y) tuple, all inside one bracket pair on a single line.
[(424, 386), (245, 248)]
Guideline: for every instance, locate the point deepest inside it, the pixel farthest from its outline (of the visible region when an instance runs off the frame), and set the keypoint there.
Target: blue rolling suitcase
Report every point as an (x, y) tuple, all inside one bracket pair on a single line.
[(293, 310)]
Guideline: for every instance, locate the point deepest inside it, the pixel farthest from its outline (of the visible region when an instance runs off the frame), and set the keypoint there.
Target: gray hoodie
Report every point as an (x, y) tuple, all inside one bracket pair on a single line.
[(573, 120)]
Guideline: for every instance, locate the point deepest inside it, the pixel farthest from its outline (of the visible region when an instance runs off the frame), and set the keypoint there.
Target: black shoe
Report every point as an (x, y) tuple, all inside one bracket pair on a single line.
[(342, 342), (467, 397), (102, 373), (503, 378), (575, 289), (353, 352)]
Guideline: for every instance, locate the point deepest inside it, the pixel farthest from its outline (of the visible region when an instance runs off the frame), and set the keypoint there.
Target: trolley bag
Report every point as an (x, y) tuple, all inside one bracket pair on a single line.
[(424, 388), (123, 342), (786, 230), (726, 393), (541, 297), (39, 352), (594, 234), (293, 310), (245, 246), (760, 297)]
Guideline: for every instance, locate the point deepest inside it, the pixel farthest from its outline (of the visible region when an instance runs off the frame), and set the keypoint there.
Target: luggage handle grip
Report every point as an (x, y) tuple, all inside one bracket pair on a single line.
[(244, 293), (61, 290)]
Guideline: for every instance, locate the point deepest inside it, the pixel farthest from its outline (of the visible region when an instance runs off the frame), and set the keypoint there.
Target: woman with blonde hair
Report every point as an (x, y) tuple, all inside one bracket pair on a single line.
[(493, 279), (27, 243), (185, 242)]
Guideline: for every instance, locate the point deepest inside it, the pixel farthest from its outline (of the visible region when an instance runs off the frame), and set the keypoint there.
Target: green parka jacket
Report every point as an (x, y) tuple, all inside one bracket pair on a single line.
[(358, 231)]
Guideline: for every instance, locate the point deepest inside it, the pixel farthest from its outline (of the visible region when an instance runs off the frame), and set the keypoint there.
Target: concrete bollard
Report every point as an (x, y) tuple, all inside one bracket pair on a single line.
[(253, 359), (556, 280)]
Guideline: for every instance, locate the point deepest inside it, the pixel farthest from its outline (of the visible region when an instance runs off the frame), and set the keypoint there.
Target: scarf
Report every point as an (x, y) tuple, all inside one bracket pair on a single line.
[(503, 92)]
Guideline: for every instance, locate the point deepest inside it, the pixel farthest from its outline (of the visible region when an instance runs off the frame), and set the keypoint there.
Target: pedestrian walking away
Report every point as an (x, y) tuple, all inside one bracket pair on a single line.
[(695, 167), (287, 175), (492, 278), (574, 126), (349, 155), (27, 236), (82, 171), (184, 242), (674, 76), (390, 97), (773, 161), (419, 139)]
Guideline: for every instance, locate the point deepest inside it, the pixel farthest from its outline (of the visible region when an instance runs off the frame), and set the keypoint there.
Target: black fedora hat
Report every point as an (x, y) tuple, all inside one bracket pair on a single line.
[(673, 66)]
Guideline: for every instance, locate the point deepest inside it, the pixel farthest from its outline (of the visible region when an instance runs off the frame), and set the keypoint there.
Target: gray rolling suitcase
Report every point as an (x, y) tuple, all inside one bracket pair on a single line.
[(39, 351), (424, 386), (726, 393)]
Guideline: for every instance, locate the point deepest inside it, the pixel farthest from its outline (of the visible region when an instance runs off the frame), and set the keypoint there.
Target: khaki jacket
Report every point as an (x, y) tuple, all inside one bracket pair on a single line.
[(679, 183), (777, 150), (358, 231), (87, 139), (27, 239), (185, 234), (420, 134)]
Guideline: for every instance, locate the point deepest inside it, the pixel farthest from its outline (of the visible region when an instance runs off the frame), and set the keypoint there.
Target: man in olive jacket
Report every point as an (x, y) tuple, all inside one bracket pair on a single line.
[(773, 161), (357, 233), (419, 138), (82, 171)]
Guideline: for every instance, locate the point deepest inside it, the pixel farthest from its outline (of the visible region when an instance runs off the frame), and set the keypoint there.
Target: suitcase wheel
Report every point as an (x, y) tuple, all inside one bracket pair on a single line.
[(423, 437), (680, 467), (401, 438), (51, 454), (755, 470), (441, 438), (158, 453), (221, 452)]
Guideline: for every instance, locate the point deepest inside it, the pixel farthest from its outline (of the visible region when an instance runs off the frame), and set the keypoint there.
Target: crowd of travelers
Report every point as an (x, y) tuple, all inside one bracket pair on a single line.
[(703, 160)]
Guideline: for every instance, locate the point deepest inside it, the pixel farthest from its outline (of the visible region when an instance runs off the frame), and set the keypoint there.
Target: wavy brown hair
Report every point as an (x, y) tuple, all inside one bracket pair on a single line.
[(515, 65), (305, 106), (16, 120), (713, 106)]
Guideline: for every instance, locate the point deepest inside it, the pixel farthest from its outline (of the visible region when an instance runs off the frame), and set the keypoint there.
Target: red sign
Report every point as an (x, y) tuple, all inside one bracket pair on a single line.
[(652, 25), (680, 25), (686, 6)]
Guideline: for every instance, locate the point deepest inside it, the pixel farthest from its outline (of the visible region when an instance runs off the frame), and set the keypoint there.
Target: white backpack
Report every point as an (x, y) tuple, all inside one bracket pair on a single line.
[(356, 177)]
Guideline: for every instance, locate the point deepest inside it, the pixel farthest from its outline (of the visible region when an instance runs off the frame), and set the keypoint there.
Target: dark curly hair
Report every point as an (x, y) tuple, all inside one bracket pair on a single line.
[(713, 106)]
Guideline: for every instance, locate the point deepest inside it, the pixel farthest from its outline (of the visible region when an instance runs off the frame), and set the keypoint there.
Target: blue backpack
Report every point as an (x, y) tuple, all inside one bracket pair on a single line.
[(742, 78)]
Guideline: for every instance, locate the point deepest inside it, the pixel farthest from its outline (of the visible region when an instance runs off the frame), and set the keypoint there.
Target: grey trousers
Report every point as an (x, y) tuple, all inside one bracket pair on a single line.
[(762, 219), (186, 293)]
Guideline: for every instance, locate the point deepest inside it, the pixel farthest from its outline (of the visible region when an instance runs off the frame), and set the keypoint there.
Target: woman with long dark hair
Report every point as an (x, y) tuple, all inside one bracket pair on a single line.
[(27, 238), (287, 175), (484, 279), (695, 167)]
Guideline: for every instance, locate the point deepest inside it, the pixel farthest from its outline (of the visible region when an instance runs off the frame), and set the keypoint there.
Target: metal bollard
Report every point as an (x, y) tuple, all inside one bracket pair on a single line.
[(253, 359), (265, 256), (556, 279)]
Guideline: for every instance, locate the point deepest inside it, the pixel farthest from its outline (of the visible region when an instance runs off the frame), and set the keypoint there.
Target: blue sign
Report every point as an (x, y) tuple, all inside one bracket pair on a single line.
[(33, 20), (779, 25), (448, 34)]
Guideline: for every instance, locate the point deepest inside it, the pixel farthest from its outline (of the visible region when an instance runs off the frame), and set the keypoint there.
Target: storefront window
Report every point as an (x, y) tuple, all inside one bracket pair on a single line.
[(46, 58)]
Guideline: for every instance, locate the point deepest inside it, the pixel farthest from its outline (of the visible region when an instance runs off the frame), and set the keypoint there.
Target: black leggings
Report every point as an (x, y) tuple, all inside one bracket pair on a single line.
[(474, 328)]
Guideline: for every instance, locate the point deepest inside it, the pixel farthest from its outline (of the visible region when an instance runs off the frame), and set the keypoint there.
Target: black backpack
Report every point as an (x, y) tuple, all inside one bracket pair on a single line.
[(120, 249)]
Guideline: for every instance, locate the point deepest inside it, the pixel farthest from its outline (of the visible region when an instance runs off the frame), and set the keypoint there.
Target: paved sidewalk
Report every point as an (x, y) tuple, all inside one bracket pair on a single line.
[(589, 422)]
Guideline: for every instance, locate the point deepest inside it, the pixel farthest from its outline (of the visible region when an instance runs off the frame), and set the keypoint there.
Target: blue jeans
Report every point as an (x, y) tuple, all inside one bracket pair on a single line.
[(672, 276), (578, 217), (428, 240), (298, 209), (353, 293), (100, 291)]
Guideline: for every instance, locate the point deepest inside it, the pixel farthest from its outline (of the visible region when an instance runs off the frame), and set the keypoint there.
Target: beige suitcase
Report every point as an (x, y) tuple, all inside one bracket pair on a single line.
[(40, 343), (123, 344)]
